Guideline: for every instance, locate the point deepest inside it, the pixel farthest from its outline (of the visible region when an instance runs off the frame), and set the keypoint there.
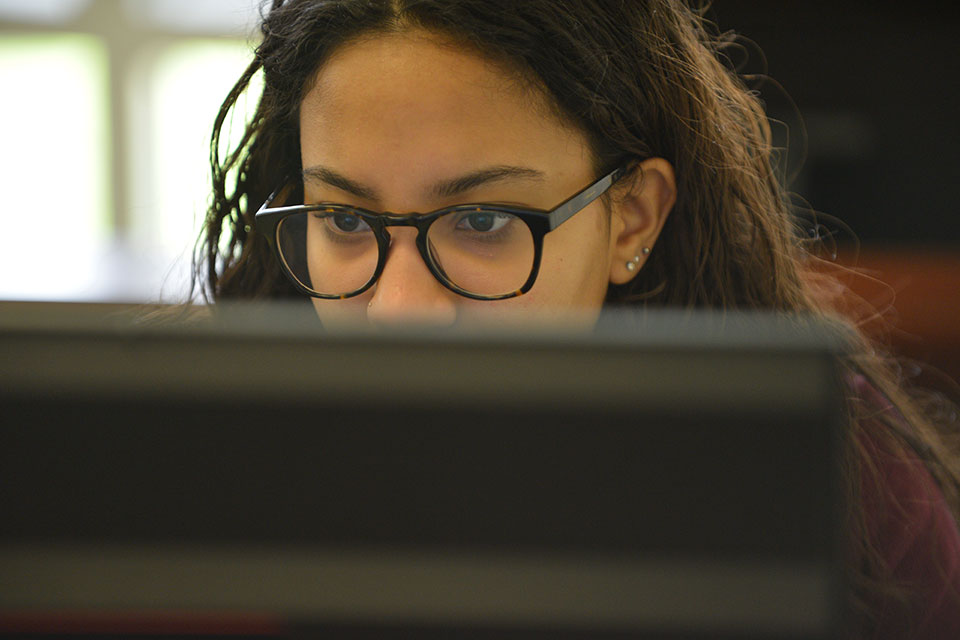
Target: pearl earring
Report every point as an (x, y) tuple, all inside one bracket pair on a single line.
[(633, 264)]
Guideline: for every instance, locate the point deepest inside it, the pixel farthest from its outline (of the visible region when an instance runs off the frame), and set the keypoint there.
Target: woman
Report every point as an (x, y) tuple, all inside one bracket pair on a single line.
[(654, 163)]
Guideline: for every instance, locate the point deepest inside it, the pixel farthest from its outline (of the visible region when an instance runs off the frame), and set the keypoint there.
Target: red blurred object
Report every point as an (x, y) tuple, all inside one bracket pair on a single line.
[(916, 291)]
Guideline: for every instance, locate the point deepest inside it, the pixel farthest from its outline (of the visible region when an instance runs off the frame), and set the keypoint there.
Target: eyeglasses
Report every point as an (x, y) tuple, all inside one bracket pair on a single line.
[(480, 251)]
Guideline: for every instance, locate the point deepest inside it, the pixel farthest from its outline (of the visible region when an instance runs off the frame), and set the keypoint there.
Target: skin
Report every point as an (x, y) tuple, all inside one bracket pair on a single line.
[(390, 117)]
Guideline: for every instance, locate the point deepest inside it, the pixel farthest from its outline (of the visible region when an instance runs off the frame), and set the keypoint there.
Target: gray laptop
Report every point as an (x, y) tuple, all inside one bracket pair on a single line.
[(665, 476)]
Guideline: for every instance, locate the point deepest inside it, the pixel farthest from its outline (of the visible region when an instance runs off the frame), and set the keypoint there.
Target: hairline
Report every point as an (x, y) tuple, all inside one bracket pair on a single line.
[(515, 76)]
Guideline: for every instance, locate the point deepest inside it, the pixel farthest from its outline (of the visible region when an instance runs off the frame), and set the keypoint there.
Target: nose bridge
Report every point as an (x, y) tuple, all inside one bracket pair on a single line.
[(407, 237), (400, 219), (402, 252), (407, 290)]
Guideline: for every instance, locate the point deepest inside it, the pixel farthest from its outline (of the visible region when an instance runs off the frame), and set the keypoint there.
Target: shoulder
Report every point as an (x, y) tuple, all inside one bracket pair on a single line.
[(910, 523)]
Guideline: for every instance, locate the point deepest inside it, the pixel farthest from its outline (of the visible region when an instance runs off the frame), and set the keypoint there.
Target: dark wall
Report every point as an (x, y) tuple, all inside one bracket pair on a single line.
[(878, 86)]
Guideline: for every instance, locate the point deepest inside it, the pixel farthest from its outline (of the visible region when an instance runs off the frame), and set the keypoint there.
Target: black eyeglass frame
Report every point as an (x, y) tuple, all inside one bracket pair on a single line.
[(540, 223)]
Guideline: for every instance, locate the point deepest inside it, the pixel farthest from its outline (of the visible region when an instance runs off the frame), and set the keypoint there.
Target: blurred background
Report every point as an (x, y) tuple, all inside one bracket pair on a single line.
[(105, 119), (107, 107), (875, 153)]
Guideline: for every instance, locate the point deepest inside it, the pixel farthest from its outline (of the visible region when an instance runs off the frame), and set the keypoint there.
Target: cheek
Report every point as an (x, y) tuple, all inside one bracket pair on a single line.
[(348, 313), (576, 259), (570, 288)]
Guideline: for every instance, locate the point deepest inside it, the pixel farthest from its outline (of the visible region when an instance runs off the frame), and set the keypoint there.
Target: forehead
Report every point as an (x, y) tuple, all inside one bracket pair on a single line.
[(387, 60), (413, 96)]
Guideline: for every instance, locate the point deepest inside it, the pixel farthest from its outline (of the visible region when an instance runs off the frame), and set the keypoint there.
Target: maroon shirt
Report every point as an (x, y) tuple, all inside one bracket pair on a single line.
[(916, 534)]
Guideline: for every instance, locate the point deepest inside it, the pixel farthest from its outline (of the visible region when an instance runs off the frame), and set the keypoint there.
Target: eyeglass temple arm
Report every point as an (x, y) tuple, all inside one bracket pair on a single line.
[(266, 203), (280, 193), (580, 201)]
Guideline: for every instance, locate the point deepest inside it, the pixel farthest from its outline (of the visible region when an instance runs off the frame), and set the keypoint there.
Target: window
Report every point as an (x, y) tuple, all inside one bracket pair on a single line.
[(106, 120), (54, 121)]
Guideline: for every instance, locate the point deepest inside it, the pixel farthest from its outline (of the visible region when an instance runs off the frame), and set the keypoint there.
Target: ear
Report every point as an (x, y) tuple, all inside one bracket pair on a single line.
[(638, 216)]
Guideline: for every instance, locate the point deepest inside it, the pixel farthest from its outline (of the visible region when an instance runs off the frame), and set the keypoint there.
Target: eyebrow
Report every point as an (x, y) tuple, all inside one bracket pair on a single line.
[(443, 189), (334, 179)]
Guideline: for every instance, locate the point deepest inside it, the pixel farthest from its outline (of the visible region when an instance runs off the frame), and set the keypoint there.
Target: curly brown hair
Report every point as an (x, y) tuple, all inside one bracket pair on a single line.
[(642, 78)]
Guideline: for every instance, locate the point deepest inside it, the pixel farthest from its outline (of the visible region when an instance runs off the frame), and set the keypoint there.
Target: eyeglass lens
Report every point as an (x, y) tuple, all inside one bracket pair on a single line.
[(334, 253)]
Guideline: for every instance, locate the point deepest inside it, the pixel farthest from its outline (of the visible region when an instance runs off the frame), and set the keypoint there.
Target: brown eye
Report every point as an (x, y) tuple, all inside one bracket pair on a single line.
[(346, 222), (349, 223), (483, 221)]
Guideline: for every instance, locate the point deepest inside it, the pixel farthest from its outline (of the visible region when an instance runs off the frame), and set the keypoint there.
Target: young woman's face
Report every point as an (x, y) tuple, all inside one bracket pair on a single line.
[(390, 118)]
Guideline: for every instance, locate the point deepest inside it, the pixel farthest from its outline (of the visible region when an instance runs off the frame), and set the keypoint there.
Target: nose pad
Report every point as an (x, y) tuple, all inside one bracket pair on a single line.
[(407, 292)]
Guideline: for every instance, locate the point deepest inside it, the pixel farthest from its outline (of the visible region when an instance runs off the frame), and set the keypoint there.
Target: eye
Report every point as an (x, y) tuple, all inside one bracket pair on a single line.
[(484, 221), (348, 223)]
